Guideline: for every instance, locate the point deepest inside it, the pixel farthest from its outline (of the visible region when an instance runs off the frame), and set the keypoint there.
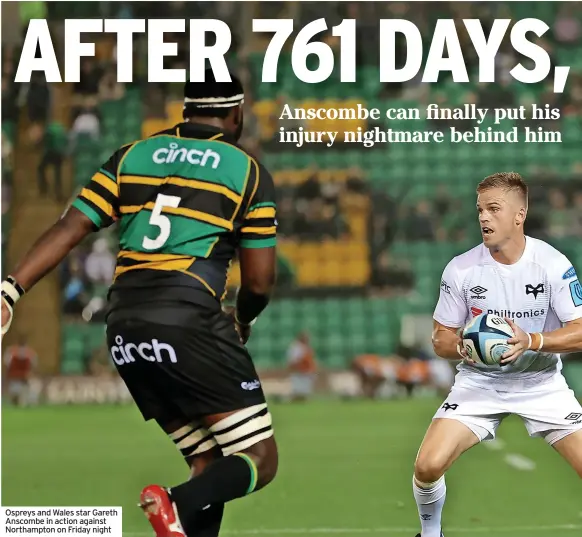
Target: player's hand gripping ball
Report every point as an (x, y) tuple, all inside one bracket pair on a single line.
[(485, 338)]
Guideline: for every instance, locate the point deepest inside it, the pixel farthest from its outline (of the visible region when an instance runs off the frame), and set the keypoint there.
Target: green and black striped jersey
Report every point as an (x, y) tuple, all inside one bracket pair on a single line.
[(184, 199)]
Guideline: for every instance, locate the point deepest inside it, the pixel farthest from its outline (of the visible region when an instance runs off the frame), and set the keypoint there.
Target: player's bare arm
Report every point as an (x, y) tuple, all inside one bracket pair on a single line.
[(258, 276), (447, 343), (48, 251), (563, 340)]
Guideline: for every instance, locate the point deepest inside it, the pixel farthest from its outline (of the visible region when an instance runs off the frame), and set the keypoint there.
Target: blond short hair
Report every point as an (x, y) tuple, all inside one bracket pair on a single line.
[(509, 181)]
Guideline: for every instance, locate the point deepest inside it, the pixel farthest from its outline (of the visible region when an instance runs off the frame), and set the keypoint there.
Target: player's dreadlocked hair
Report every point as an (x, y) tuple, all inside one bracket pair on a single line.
[(510, 181), (211, 98)]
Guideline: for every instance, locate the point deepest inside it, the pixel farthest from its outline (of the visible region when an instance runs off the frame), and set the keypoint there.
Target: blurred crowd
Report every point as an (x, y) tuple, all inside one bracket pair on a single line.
[(9, 118), (86, 276), (314, 209)]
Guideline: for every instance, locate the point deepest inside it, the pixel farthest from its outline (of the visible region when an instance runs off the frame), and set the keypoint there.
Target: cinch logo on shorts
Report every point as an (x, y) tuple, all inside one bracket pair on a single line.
[(151, 352), (182, 154), (253, 385)]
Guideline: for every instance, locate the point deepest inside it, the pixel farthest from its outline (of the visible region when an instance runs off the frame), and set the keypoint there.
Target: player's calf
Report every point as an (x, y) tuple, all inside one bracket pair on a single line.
[(208, 521)]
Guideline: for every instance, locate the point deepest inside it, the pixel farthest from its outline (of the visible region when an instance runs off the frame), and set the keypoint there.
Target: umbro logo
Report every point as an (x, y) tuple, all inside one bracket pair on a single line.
[(478, 292), (573, 416), (446, 406), (425, 517), (535, 291)]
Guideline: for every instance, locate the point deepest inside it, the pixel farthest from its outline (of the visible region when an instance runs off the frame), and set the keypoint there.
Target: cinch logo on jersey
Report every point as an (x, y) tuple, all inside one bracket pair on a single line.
[(151, 352), (517, 314), (182, 154)]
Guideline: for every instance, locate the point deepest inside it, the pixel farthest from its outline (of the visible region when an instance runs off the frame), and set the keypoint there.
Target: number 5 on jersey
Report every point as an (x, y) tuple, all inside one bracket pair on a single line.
[(161, 221)]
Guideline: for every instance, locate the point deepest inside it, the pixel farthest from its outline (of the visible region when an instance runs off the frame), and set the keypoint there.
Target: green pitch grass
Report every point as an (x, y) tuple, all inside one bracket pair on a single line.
[(345, 469)]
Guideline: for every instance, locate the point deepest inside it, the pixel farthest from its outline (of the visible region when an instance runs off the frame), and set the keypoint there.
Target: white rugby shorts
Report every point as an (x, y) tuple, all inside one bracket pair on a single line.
[(551, 412)]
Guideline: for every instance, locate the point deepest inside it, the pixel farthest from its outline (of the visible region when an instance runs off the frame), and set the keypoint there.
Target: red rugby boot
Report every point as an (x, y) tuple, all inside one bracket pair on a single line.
[(161, 512)]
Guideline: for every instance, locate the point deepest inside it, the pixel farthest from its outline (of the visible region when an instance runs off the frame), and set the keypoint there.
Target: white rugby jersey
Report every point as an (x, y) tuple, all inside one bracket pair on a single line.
[(539, 293)]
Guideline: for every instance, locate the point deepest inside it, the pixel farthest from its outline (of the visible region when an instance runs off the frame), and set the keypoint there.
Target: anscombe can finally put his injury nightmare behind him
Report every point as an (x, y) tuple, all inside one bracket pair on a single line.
[(186, 200)]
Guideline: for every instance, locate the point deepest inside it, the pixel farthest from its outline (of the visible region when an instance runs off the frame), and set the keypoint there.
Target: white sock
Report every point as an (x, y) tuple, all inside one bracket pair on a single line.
[(430, 499)]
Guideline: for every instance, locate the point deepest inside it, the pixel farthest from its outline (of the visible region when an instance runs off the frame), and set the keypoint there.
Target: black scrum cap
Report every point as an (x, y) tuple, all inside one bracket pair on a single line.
[(212, 94)]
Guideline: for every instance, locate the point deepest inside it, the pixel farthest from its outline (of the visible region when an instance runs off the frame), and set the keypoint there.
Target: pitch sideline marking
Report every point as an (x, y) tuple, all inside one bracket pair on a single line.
[(494, 445), (519, 462), (515, 460), (311, 531)]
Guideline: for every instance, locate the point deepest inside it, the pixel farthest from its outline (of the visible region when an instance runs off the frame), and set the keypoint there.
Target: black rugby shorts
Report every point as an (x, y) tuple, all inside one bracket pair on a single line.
[(175, 372)]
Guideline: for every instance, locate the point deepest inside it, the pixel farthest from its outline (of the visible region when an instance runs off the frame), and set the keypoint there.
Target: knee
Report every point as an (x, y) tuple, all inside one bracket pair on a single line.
[(268, 469), (266, 457), (430, 467), (268, 464)]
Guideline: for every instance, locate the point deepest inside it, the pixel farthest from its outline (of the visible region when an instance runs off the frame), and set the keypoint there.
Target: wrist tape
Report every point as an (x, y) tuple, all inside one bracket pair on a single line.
[(12, 291), (536, 341)]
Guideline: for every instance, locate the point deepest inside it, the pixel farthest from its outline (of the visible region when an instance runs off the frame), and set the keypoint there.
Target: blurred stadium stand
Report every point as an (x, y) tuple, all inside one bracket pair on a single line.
[(364, 233)]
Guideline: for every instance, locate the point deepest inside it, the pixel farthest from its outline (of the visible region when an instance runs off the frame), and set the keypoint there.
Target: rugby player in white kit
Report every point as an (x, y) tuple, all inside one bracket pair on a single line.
[(536, 289)]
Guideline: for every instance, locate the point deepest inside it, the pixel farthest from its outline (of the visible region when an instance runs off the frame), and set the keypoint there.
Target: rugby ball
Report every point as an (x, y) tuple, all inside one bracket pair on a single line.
[(485, 338)]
